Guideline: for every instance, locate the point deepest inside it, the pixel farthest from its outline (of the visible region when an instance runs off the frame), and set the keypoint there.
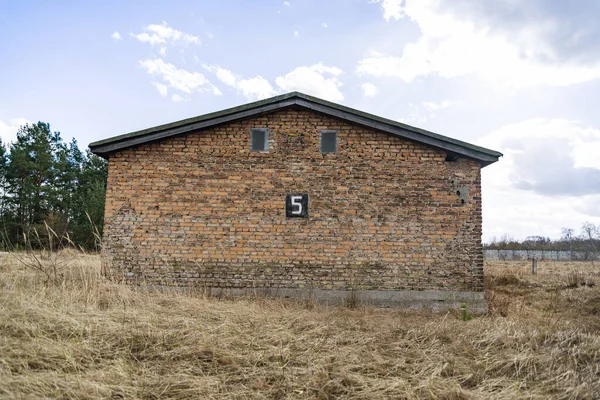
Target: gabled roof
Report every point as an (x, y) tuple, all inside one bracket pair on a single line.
[(296, 100)]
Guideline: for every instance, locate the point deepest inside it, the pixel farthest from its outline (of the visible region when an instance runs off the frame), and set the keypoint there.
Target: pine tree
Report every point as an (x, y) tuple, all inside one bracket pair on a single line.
[(47, 182), (88, 211), (2, 188), (31, 172)]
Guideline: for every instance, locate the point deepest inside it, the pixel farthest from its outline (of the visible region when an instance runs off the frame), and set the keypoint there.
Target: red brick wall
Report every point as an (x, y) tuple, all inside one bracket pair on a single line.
[(384, 213)]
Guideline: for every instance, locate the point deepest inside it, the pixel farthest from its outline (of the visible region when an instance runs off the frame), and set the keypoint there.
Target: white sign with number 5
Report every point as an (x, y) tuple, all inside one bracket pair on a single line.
[(297, 202), (296, 205)]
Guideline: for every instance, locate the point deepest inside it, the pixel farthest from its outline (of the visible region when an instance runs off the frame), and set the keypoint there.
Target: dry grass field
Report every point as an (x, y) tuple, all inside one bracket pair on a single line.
[(86, 338)]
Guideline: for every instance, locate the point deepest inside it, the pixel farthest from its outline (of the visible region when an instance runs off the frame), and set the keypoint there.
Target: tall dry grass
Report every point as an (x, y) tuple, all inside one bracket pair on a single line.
[(88, 338)]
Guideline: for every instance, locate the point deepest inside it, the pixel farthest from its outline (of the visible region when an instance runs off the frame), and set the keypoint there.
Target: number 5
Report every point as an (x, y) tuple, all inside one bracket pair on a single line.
[(297, 201)]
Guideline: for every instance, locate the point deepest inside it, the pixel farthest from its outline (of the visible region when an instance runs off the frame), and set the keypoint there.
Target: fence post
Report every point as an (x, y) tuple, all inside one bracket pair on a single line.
[(533, 266)]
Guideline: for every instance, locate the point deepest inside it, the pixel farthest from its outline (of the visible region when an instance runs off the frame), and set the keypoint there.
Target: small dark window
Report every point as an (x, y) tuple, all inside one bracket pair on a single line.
[(329, 142), (259, 139)]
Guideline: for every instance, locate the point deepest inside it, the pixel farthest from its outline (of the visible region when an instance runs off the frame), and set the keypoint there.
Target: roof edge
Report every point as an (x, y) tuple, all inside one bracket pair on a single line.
[(191, 120), (396, 123), (106, 146)]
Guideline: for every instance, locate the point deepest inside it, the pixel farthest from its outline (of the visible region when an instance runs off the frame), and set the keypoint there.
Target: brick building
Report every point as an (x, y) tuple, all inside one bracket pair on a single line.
[(297, 196)]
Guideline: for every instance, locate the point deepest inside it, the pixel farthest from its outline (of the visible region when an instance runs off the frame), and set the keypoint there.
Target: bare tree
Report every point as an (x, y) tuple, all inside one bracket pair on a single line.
[(590, 234), (567, 235)]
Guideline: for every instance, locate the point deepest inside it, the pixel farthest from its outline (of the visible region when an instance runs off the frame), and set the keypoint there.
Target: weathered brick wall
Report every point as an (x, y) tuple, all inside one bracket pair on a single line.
[(385, 213)]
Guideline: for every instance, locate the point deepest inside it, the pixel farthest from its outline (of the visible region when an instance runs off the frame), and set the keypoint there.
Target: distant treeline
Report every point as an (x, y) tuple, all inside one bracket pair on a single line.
[(49, 190), (587, 240)]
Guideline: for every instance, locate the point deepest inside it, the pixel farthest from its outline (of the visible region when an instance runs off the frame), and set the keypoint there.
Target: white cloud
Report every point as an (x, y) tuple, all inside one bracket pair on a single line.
[(369, 89), (318, 79), (454, 44), (162, 89), (553, 157), (116, 36), (163, 34), (178, 79), (427, 110), (224, 75), (311, 80), (391, 8), (433, 106), (548, 178), (177, 98), (296, 34), (8, 131), (256, 88), (323, 69), (325, 25), (287, 3), (163, 51)]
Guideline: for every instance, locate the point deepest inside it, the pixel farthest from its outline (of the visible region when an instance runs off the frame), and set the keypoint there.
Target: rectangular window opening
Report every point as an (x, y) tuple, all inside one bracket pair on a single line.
[(259, 139), (329, 142), (451, 157)]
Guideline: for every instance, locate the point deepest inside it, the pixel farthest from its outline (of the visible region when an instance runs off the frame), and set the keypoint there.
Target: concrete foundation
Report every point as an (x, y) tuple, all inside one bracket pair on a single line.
[(437, 300)]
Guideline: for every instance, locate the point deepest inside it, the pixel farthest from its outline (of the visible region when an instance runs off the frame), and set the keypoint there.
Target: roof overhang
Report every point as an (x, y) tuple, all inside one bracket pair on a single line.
[(297, 100)]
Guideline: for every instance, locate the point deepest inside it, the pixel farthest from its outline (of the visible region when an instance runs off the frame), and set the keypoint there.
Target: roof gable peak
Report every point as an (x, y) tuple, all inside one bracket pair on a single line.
[(453, 146)]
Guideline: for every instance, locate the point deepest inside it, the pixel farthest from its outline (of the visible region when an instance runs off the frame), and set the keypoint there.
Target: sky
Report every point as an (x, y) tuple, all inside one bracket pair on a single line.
[(522, 78)]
